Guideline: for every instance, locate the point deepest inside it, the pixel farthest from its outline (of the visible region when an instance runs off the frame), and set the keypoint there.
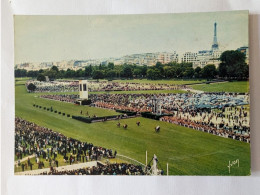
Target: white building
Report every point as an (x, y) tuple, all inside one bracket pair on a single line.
[(189, 57), (83, 89)]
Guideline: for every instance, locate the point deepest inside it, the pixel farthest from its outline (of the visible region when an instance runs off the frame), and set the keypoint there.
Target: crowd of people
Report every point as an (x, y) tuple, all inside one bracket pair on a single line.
[(71, 86), (128, 86), (45, 144), (226, 112), (54, 86), (108, 169), (241, 133)]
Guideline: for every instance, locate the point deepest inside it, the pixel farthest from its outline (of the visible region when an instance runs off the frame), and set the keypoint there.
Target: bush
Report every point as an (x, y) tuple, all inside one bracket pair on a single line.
[(153, 116), (63, 114), (86, 102), (89, 120), (59, 112), (68, 115), (41, 77), (55, 111), (129, 113), (31, 87)]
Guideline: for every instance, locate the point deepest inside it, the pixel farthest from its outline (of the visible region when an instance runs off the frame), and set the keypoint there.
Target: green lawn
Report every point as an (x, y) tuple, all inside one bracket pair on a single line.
[(187, 151), (235, 86)]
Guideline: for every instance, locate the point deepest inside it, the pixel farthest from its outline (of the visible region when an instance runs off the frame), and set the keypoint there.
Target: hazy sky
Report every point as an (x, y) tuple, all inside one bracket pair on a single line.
[(56, 38)]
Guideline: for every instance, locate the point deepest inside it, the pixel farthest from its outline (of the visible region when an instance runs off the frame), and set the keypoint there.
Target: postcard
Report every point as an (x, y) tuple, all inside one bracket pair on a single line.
[(151, 94)]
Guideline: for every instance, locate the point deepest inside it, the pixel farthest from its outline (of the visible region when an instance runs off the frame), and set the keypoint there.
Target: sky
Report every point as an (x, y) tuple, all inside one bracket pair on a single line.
[(57, 38)]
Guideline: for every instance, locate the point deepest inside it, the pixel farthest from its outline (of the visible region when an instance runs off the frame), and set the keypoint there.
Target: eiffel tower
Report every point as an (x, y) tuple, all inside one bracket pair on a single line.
[(215, 42)]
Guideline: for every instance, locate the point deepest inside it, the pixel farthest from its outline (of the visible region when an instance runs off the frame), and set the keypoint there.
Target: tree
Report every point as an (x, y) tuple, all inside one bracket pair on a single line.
[(70, 73), (80, 73), (31, 87), (97, 74), (209, 71), (111, 74), (222, 70), (159, 66), (154, 74), (233, 65), (197, 72), (144, 70), (52, 74), (179, 71), (20, 73), (55, 68), (111, 65), (189, 72), (137, 72), (169, 72), (32, 73), (41, 77), (88, 71), (127, 72)]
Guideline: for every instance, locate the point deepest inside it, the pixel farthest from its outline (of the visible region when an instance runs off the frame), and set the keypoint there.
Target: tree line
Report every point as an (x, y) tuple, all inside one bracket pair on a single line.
[(232, 66)]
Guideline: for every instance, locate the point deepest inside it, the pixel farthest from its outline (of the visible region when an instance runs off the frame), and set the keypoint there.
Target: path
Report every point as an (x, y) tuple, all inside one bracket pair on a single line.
[(62, 168), (26, 158), (193, 90)]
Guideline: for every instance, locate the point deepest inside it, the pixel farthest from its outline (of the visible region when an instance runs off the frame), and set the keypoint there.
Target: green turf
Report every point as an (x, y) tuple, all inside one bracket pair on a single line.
[(187, 151), (235, 86)]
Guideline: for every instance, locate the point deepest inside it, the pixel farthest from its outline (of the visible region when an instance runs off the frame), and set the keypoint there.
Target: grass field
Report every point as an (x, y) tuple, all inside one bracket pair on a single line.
[(187, 151), (236, 86)]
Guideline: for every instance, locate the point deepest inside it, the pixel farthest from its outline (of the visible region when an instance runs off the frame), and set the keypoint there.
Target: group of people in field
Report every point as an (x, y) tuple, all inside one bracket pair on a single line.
[(100, 169), (45, 145), (225, 114), (70, 86), (54, 86), (128, 86)]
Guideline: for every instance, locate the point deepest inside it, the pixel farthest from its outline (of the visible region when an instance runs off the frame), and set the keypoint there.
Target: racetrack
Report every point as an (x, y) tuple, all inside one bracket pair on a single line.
[(188, 152)]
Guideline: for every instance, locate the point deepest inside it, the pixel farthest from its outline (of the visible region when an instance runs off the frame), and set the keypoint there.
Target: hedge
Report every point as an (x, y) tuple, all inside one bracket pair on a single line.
[(89, 120), (153, 116), (86, 102), (129, 113)]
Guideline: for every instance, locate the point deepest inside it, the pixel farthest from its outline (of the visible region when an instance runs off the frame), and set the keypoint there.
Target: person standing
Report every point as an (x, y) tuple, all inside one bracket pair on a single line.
[(22, 167), (57, 163)]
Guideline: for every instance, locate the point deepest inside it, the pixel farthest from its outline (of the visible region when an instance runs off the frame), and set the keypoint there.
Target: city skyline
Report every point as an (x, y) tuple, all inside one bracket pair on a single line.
[(58, 38)]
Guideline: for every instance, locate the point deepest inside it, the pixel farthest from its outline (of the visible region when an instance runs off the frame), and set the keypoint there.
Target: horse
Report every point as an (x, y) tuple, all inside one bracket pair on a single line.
[(157, 129), (118, 124), (138, 123), (125, 126)]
